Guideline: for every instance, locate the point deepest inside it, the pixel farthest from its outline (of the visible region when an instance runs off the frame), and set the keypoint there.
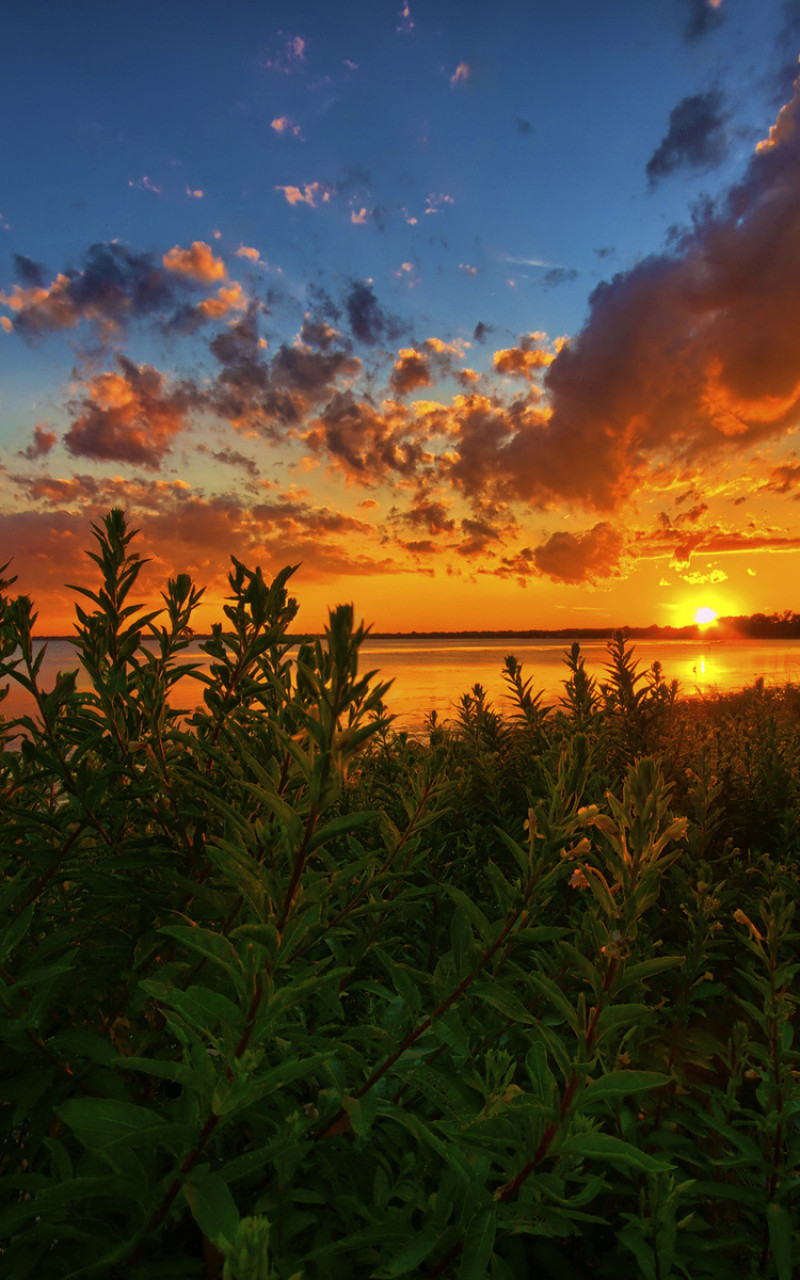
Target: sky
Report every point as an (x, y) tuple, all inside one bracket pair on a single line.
[(483, 315)]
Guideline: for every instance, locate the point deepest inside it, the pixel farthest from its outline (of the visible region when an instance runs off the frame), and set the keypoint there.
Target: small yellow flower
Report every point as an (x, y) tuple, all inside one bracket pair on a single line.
[(578, 879)]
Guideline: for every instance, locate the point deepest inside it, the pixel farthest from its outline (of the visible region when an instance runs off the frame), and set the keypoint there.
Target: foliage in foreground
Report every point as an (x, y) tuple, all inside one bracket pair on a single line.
[(284, 994)]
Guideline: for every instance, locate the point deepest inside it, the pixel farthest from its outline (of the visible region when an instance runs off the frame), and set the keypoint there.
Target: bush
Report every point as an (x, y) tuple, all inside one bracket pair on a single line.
[(283, 994)]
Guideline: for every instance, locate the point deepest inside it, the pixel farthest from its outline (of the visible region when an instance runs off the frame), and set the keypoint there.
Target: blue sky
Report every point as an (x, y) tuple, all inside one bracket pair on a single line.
[(446, 302)]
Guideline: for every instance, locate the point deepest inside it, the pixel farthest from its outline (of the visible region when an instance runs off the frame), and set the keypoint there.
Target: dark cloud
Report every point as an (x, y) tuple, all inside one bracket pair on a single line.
[(232, 458), (695, 138), (702, 16), (481, 331), (114, 285), (368, 322), (787, 44), (412, 369), (524, 126), (43, 441), (130, 415), (29, 273), (558, 275), (311, 373), (369, 445), (580, 557)]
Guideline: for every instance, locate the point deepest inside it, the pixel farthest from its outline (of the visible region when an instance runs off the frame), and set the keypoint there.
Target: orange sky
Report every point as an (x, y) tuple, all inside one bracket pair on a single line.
[(615, 443)]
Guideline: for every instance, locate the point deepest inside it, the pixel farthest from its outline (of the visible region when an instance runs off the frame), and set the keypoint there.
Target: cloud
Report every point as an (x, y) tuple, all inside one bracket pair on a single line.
[(702, 17), (282, 124), (289, 56), (411, 369), (368, 322), (310, 194), (685, 357), (524, 126), (233, 458), (462, 74), (556, 276), (30, 274), (406, 22), (580, 557), (525, 360), (131, 415), (43, 441), (144, 184), (368, 444), (197, 263), (434, 203), (114, 285), (695, 138), (419, 366)]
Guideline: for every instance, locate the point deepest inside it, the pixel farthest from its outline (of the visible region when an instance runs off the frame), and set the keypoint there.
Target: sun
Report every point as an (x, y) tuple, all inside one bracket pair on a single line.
[(705, 616)]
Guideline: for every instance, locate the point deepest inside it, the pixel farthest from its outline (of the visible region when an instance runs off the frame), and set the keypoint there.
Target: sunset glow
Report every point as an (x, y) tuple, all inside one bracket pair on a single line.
[(409, 299), (704, 616)]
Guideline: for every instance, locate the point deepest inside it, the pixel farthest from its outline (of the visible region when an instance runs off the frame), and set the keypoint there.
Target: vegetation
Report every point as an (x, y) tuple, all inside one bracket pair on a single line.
[(285, 994)]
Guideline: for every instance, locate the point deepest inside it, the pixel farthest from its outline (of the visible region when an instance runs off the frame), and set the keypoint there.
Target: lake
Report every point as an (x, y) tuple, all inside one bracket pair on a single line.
[(432, 674)]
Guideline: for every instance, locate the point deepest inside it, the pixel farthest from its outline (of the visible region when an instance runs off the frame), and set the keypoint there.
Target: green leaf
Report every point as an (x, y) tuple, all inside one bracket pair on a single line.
[(602, 1146), (615, 1083), (464, 903), (413, 1252), (100, 1122), (504, 1001), (779, 1222), (214, 946), (212, 1205), (647, 969), (478, 1244), (345, 823), (362, 1112)]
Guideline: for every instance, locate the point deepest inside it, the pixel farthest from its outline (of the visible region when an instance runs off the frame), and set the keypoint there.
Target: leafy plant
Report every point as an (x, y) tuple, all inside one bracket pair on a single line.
[(285, 995)]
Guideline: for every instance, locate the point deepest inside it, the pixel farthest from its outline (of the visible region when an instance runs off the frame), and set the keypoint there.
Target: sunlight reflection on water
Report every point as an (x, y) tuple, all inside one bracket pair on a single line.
[(433, 674)]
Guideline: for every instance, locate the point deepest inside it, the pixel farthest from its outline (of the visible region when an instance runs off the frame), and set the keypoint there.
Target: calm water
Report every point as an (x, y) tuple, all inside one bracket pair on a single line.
[(432, 674)]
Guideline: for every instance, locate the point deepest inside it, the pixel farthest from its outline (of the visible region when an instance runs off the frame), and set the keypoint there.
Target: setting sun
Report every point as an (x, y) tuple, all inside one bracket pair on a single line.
[(704, 616)]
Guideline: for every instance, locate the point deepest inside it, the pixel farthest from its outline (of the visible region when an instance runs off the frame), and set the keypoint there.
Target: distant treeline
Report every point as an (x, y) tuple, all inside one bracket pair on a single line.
[(756, 626), (775, 626)]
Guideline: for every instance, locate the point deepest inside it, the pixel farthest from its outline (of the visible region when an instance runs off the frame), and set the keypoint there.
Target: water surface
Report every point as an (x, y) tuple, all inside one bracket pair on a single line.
[(433, 674)]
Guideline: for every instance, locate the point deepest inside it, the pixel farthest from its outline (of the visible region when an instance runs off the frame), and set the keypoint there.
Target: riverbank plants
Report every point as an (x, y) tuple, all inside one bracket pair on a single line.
[(285, 994)]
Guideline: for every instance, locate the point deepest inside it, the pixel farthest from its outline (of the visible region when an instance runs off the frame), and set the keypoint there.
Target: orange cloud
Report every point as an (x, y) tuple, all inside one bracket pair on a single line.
[(128, 416), (282, 124), (310, 193), (197, 263), (230, 298), (524, 360)]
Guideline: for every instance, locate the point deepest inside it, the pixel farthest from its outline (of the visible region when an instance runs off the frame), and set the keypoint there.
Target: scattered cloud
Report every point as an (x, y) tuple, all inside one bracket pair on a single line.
[(695, 138), (195, 193), (525, 360), (197, 262), (462, 73), (282, 124), (309, 194), (406, 22), (42, 443), (435, 203), (144, 184), (289, 55)]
